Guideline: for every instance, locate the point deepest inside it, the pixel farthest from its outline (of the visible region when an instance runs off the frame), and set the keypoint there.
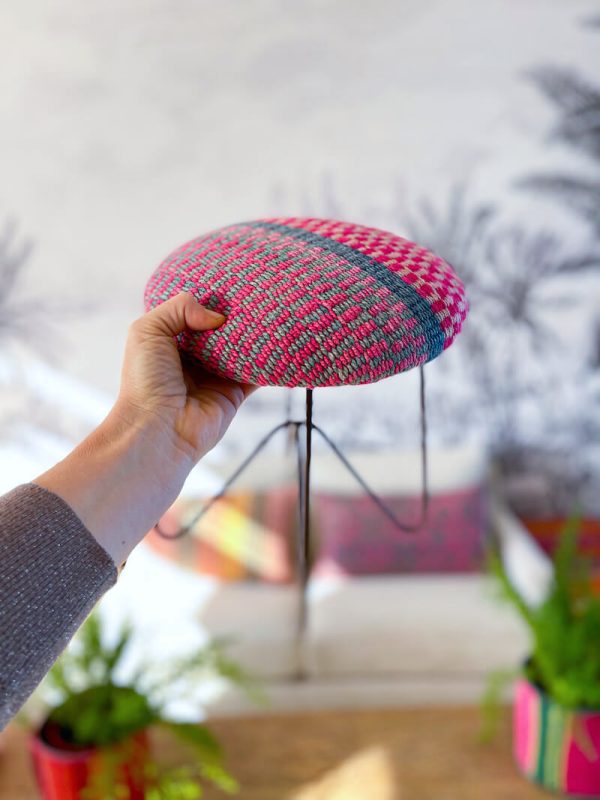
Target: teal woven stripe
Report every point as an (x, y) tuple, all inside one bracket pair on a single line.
[(540, 768), (419, 307)]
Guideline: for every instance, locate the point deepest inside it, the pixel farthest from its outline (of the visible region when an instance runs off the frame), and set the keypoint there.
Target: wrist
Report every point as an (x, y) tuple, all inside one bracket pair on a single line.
[(148, 428), (160, 426), (121, 478)]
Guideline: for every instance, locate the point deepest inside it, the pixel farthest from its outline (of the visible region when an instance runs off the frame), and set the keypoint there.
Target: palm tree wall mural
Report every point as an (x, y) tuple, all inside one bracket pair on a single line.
[(520, 281), (14, 254), (523, 282), (576, 100), (577, 103), (31, 330), (532, 387)]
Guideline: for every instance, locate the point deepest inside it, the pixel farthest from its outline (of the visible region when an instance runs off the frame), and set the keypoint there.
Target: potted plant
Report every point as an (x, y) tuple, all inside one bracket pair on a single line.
[(93, 743), (556, 711)]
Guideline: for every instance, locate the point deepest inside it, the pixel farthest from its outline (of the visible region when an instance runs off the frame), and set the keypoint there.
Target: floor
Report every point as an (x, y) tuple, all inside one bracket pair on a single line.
[(408, 754)]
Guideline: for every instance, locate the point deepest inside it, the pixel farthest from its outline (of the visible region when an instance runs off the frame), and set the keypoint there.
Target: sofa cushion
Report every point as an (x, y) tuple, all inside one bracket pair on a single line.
[(248, 534), (439, 624), (356, 538)]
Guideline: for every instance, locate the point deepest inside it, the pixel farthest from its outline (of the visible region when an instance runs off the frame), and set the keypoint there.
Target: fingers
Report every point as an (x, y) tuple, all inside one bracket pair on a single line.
[(199, 378), (178, 313)]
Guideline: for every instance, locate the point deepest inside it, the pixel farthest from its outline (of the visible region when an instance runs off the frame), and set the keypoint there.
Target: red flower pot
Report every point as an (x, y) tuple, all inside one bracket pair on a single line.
[(63, 771), (556, 747)]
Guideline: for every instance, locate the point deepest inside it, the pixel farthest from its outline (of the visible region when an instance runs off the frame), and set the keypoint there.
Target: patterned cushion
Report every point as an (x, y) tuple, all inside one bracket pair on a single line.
[(356, 539), (247, 535), (312, 302)]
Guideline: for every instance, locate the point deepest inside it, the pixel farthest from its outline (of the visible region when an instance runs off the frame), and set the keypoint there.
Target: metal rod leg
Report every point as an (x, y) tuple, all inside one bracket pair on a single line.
[(304, 454), (305, 533)]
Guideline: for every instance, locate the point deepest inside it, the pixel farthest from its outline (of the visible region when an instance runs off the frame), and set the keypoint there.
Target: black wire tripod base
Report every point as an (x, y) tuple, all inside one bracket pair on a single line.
[(303, 448)]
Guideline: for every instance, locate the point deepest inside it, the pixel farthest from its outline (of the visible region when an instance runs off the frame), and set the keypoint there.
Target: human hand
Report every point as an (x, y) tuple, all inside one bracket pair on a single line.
[(193, 406), (123, 477)]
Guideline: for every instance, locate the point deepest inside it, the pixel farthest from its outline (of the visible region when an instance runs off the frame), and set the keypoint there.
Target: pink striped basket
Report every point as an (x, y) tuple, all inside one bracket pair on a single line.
[(557, 747)]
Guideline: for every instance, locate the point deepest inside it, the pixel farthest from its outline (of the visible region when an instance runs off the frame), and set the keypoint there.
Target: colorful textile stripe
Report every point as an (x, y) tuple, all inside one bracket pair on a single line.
[(312, 302), (244, 536), (556, 747), (355, 539)]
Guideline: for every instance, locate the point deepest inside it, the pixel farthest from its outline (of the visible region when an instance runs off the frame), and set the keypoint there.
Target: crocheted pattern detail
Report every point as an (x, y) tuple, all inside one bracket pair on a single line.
[(312, 302)]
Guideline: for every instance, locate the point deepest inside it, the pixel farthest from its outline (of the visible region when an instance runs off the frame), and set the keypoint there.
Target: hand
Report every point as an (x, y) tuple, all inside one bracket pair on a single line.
[(194, 406), (123, 477)]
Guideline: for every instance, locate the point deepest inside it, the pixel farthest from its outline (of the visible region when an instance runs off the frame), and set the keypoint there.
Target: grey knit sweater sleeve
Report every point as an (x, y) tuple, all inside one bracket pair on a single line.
[(52, 572)]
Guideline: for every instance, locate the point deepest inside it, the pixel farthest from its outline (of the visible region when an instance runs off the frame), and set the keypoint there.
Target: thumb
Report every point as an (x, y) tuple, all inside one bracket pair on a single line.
[(178, 313)]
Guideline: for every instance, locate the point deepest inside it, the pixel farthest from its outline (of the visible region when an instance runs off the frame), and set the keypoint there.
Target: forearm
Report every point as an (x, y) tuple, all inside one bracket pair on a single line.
[(121, 479), (63, 534), (53, 573)]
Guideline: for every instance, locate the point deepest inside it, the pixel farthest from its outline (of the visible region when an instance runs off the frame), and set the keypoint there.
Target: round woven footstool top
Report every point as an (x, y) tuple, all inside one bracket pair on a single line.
[(313, 302)]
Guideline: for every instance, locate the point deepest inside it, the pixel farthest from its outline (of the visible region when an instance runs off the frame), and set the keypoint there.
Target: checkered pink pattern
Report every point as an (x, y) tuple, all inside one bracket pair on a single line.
[(427, 273)]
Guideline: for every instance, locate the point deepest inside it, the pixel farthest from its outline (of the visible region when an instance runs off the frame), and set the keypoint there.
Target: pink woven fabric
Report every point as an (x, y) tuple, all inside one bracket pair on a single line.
[(313, 302), (353, 540)]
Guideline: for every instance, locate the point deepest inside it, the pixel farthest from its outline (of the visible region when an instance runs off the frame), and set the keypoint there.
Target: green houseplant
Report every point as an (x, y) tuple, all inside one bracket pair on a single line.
[(556, 719), (93, 742)]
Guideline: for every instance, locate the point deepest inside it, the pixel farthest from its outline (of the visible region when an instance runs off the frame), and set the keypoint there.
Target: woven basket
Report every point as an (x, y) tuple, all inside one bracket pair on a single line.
[(313, 302)]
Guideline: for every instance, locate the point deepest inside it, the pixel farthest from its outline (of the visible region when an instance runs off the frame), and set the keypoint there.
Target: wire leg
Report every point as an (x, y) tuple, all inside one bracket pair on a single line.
[(307, 460), (304, 477), (303, 459), (383, 507), (233, 477), (424, 451)]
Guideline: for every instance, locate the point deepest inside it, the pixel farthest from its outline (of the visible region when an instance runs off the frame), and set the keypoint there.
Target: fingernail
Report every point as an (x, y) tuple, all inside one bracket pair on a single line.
[(215, 314)]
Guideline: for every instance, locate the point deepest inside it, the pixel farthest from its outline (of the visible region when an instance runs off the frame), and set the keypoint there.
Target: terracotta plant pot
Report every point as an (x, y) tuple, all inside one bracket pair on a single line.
[(62, 771), (558, 748)]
